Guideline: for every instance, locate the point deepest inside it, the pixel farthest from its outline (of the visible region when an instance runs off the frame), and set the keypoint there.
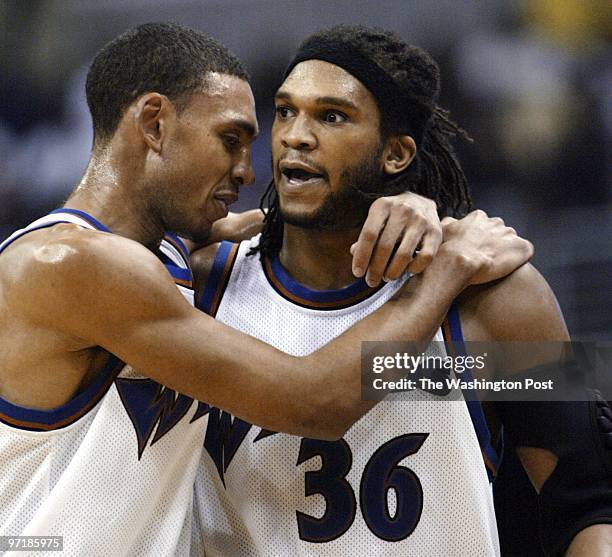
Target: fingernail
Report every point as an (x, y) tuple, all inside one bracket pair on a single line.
[(386, 279), (358, 271)]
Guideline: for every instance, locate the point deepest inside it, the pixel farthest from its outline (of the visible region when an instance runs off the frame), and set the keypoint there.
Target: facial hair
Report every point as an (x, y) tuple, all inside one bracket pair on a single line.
[(348, 207)]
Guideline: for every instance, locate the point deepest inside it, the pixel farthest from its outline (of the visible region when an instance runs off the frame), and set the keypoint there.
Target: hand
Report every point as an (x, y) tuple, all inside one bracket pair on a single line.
[(485, 247), (407, 221), (236, 227)]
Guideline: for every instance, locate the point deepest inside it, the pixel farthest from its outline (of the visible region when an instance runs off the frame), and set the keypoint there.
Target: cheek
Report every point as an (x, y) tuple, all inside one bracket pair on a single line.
[(275, 148)]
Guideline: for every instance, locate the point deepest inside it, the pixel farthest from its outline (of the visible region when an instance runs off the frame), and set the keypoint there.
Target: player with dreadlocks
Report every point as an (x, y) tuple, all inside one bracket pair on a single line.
[(435, 171), (356, 118)]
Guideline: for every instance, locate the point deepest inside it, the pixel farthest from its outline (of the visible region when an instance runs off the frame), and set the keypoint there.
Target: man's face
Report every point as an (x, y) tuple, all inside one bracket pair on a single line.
[(325, 139), (208, 156)]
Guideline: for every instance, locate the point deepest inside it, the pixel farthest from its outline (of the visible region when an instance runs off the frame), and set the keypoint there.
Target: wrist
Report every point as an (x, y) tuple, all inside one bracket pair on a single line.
[(451, 270)]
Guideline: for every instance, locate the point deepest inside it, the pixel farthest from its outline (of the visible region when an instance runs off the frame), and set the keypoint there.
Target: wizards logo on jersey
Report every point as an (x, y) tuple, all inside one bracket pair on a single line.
[(224, 435), (150, 404)]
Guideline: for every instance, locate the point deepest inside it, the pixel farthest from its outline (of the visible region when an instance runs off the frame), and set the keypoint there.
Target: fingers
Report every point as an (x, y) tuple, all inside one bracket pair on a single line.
[(393, 232), (395, 227), (511, 253), (430, 245), (446, 224), (363, 248), (403, 255), (529, 250)]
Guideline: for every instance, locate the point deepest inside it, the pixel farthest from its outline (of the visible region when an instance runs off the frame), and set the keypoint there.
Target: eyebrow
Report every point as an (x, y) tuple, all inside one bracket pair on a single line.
[(246, 126), (336, 101)]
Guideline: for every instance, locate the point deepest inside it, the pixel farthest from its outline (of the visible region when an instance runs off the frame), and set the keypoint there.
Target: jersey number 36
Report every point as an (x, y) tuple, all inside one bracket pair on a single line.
[(381, 473)]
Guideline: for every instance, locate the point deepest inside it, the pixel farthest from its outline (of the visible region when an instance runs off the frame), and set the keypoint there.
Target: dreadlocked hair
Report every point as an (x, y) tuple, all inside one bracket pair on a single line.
[(435, 171), (271, 239)]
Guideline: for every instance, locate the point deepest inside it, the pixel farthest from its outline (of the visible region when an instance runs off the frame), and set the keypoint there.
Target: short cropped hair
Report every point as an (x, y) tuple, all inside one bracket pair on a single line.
[(155, 57)]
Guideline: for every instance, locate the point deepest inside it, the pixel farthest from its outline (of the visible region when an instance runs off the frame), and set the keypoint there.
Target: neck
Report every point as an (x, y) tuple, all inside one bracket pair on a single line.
[(320, 260), (109, 192)]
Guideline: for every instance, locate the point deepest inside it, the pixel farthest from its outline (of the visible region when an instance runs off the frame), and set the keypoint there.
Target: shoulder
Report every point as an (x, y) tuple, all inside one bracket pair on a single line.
[(67, 250), (519, 307), (68, 266)]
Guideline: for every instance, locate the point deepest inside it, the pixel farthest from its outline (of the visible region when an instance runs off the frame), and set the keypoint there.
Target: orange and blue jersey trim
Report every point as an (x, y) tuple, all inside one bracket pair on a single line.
[(46, 420), (91, 220), (85, 216), (287, 287), (218, 278), (181, 275), (178, 244), (453, 336)]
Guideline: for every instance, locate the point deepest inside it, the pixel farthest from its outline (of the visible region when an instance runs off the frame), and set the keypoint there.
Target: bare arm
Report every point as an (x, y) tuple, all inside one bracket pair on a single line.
[(592, 541), (523, 308), (332, 381), (395, 227), (100, 290), (125, 302), (233, 228)]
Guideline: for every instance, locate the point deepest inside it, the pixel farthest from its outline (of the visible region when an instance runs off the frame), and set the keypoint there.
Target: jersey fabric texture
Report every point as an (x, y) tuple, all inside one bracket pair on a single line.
[(406, 479), (112, 470)]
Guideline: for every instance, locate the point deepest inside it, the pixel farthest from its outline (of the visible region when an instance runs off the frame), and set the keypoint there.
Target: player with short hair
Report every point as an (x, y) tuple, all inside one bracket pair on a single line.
[(357, 118), (101, 347)]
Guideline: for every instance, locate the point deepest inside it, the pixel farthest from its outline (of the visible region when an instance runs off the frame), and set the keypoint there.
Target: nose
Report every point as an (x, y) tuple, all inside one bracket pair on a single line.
[(242, 172), (298, 135)]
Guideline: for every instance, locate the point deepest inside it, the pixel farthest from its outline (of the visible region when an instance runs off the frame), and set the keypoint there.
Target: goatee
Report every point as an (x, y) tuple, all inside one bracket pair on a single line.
[(348, 207)]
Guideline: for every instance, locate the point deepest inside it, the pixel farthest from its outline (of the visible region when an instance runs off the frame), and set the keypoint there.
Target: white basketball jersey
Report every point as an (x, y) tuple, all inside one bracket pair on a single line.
[(112, 470), (407, 479)]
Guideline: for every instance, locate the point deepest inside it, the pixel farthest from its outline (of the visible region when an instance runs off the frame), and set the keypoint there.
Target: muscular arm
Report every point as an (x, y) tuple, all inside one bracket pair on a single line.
[(233, 228), (110, 292), (522, 307)]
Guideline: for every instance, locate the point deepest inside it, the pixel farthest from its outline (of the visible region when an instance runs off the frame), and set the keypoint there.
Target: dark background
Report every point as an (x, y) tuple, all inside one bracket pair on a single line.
[(530, 81)]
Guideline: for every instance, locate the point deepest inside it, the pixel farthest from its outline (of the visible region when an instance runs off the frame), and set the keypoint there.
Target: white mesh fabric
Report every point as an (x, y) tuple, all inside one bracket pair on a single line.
[(87, 483), (254, 513)]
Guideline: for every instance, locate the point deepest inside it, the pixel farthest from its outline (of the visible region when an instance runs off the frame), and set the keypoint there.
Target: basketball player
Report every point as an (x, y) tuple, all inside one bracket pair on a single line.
[(356, 117), (98, 333)]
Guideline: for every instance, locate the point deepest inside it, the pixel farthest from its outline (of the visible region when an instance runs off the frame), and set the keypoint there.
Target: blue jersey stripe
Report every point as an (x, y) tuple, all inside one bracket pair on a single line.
[(178, 272), (25, 231), (215, 278), (44, 420), (91, 220), (473, 403), (177, 243), (290, 289)]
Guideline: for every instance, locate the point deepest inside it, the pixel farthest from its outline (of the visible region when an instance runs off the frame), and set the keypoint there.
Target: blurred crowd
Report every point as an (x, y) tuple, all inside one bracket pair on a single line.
[(530, 81)]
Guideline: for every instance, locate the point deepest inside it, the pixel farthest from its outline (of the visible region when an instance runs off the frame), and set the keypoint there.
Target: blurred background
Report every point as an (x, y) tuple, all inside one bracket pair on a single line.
[(531, 81)]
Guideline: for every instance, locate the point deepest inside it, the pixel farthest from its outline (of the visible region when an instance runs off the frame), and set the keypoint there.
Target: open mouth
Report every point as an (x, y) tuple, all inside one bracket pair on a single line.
[(298, 176)]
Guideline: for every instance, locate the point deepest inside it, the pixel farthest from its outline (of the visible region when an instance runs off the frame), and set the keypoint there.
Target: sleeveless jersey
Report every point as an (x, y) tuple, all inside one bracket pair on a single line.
[(407, 479), (112, 470)]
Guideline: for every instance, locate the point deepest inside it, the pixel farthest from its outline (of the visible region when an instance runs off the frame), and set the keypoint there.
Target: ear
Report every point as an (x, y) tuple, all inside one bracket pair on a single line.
[(398, 153), (153, 117)]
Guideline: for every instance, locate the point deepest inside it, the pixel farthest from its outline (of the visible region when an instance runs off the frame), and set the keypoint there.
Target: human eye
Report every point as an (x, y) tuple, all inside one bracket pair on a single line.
[(232, 142), (283, 112), (334, 117)]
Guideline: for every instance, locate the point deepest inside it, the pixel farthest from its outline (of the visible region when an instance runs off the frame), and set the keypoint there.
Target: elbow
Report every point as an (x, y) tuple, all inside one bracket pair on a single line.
[(328, 420)]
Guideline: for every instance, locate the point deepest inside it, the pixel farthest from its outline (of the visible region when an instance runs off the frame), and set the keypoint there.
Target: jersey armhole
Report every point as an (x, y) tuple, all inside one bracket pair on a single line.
[(218, 278), (455, 346), (30, 419)]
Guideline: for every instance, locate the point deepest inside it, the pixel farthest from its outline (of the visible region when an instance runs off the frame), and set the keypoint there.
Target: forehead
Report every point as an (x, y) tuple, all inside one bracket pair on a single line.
[(316, 79), (226, 98)]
